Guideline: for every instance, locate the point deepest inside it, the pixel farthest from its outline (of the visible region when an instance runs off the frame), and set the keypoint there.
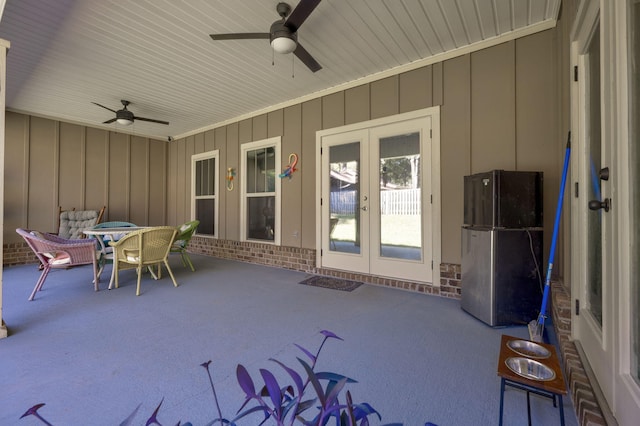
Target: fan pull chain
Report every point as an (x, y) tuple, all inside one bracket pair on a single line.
[(292, 70), (273, 58)]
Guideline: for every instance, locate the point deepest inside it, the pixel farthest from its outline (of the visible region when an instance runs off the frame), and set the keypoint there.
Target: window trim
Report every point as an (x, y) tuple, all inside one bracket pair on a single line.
[(276, 143), (215, 155)]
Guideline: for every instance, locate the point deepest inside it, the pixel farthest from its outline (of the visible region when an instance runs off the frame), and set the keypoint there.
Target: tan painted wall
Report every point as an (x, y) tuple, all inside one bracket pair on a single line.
[(50, 163), (499, 110)]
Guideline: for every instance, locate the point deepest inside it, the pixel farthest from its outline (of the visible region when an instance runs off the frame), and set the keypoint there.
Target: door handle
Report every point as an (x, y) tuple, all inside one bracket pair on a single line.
[(604, 173), (364, 208), (597, 204)]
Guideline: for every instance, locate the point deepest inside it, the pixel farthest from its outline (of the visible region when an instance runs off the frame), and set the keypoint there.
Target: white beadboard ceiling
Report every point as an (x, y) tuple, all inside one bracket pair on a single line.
[(157, 54)]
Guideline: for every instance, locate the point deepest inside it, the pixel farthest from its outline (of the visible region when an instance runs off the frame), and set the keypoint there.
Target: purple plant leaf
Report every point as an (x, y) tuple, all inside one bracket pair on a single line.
[(290, 404), (363, 410), (153, 420), (128, 420), (333, 409), (314, 381), (333, 391), (288, 393), (307, 353), (33, 411), (349, 410), (273, 388), (297, 380), (245, 381), (329, 334), (257, 408), (305, 405), (333, 377), (246, 401)]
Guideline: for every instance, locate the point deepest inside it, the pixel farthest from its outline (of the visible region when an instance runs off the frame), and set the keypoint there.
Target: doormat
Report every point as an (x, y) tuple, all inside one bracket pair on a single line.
[(332, 283)]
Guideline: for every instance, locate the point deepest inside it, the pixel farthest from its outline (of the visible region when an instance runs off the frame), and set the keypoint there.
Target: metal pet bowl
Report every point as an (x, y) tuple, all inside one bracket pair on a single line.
[(530, 369), (528, 349)]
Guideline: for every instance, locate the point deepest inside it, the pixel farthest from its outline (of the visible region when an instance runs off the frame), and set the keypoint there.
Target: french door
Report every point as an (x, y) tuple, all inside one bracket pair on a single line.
[(376, 199), (592, 169), (605, 225)]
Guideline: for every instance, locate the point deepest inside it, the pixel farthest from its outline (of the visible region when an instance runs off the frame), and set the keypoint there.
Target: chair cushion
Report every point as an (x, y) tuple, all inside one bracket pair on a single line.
[(73, 222), (60, 258), (37, 234), (132, 256)]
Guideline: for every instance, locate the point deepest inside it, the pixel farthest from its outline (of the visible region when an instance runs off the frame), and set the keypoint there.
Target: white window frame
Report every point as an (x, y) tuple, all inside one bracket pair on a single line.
[(215, 155), (274, 142)]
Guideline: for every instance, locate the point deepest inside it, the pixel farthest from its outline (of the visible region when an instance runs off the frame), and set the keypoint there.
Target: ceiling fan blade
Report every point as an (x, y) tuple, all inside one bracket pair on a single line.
[(151, 120), (300, 14), (240, 36), (112, 110), (110, 121), (306, 58)]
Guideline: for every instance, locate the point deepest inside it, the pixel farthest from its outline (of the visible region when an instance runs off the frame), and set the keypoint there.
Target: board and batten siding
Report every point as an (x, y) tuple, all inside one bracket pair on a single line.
[(49, 163), (499, 109)]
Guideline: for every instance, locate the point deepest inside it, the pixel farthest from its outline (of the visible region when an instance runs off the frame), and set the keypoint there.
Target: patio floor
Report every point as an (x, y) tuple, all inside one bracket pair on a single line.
[(92, 358)]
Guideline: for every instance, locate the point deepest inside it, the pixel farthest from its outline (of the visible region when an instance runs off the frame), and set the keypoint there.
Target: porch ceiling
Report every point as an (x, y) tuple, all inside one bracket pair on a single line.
[(158, 53)]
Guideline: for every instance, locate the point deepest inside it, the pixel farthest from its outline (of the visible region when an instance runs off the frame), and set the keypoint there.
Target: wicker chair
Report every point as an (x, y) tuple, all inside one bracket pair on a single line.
[(71, 223), (144, 248), (182, 240), (56, 252)]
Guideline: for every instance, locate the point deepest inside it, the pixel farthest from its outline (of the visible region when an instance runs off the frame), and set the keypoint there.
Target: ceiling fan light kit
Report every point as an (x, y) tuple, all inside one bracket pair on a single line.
[(283, 44)]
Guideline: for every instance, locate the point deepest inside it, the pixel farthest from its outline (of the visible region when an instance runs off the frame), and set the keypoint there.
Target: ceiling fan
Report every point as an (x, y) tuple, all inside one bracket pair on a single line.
[(126, 117), (283, 34)]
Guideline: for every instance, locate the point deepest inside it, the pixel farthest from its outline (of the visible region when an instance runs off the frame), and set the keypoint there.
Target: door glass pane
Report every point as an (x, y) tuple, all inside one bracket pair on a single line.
[(594, 276), (634, 172), (344, 198), (400, 197)]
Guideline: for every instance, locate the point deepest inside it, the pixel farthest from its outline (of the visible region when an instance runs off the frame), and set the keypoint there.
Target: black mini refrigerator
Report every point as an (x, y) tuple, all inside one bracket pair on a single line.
[(502, 247)]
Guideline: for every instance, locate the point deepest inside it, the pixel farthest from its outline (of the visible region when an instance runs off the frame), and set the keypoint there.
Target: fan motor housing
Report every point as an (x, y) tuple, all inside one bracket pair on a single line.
[(124, 114), (278, 29)]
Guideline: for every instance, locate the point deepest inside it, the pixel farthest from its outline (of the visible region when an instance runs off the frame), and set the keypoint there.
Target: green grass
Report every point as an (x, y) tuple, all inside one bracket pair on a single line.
[(397, 230)]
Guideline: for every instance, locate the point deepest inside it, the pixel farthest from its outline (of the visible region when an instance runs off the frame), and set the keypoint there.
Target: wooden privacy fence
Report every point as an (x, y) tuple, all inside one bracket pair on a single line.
[(392, 202)]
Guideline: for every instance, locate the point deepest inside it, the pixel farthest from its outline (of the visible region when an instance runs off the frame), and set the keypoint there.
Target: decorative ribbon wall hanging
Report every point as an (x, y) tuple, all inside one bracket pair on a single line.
[(230, 174), (293, 161)]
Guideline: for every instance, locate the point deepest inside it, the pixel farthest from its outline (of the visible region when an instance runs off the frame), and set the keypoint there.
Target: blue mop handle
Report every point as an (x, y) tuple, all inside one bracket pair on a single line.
[(554, 238)]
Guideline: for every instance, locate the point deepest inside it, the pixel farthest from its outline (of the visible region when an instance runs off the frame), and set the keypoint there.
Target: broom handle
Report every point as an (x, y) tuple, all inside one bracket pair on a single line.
[(554, 238)]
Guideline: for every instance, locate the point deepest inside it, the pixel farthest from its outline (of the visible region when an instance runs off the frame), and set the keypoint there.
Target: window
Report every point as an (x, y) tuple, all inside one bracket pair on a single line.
[(260, 210), (204, 192)]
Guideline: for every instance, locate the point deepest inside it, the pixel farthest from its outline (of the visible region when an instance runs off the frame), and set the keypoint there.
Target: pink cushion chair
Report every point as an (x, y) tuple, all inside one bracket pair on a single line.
[(56, 252)]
